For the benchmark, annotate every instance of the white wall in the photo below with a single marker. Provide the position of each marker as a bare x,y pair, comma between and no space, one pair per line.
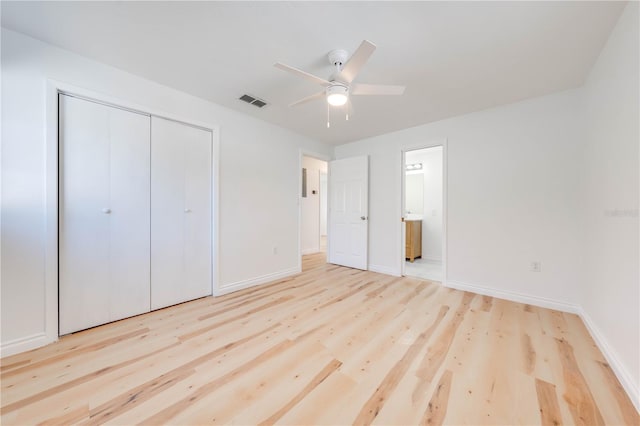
310,206
610,290
513,195
259,178
414,193
431,159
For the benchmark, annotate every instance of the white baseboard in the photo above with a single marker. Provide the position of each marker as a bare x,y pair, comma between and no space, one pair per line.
310,250
626,379
24,344
252,282
543,302
432,259
385,270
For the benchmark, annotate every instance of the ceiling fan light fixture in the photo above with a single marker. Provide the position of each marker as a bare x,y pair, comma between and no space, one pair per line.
337,94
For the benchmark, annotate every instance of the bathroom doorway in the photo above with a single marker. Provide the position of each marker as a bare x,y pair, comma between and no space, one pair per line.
423,213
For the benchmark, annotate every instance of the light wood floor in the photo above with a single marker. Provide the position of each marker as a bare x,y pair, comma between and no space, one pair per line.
332,345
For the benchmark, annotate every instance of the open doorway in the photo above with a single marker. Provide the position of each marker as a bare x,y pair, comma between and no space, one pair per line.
423,213
313,206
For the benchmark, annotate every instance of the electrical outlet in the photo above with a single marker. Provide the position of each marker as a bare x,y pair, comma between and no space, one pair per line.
536,266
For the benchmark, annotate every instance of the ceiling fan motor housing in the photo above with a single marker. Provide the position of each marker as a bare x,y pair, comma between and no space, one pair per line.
338,57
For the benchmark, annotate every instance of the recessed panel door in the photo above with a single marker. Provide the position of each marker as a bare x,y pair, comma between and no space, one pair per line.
348,212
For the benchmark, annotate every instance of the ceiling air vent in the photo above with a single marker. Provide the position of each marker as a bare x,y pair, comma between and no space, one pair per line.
253,101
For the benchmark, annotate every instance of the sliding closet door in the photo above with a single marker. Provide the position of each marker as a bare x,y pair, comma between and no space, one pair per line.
180,212
104,206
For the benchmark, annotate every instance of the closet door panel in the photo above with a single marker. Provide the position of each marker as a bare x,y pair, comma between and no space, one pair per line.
167,214
104,214
198,221
130,213
180,213
83,227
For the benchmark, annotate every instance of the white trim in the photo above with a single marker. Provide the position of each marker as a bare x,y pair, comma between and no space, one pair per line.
51,212
123,103
23,344
252,282
432,259
445,210
51,197
215,210
387,270
623,375
402,255
542,302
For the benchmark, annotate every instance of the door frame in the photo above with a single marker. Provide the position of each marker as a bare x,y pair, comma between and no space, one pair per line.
401,227
322,157
52,169
324,193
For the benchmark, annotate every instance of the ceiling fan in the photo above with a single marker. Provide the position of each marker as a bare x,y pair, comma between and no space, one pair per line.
339,86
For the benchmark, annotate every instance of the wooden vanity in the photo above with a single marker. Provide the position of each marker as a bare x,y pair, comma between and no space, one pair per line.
413,245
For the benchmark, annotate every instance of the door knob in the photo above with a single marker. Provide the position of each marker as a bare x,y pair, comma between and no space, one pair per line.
106,211
363,218
187,210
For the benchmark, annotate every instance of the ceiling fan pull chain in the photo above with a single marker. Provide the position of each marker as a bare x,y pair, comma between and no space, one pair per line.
328,116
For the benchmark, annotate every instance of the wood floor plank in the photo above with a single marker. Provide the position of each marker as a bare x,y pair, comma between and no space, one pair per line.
331,345
583,408
437,407
437,353
487,303
75,352
274,383
328,369
168,413
375,402
548,401
529,359
623,402
75,382
144,391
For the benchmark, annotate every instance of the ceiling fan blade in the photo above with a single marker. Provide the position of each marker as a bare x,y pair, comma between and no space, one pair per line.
303,74
308,99
376,89
357,61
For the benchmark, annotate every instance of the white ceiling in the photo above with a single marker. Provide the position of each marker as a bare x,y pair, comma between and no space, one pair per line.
454,57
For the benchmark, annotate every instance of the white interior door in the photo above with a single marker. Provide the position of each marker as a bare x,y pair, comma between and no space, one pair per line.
348,212
180,212
104,214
